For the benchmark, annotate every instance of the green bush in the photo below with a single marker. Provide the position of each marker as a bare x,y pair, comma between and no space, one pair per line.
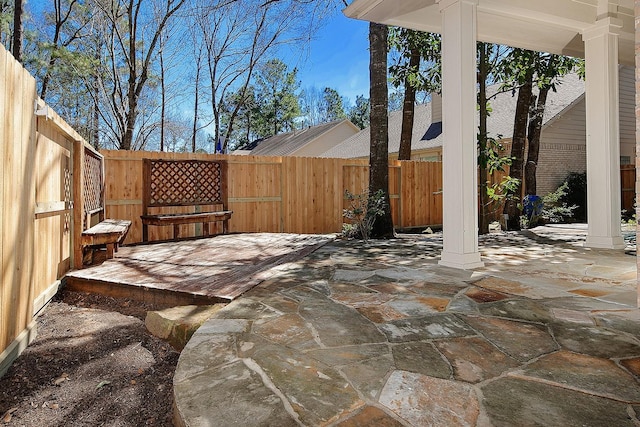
555,209
576,195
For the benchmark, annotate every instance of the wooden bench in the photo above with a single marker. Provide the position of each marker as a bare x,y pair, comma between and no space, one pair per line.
110,232
196,183
96,230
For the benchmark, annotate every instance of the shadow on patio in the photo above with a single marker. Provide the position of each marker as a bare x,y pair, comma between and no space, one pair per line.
195,271
379,334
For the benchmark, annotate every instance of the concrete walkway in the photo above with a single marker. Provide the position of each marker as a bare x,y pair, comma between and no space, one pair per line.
379,335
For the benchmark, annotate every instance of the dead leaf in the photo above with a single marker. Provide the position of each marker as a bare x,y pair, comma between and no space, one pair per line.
133,382
54,406
62,378
102,384
6,418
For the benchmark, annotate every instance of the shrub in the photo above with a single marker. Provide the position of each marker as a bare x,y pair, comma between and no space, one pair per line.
555,209
362,212
576,195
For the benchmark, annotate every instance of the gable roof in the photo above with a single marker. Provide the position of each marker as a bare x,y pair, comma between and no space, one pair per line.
285,144
428,135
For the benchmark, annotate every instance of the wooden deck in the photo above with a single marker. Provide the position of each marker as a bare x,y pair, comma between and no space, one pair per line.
202,271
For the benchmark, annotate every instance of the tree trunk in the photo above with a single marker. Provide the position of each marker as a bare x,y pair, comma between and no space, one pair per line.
379,155
163,90
196,101
96,126
54,46
483,218
534,131
408,108
126,143
518,143
17,30
95,107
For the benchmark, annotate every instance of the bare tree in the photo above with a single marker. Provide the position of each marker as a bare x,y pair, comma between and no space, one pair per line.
311,102
236,36
163,89
196,100
132,31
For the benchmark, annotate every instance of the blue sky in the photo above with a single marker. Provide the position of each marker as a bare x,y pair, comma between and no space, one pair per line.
338,58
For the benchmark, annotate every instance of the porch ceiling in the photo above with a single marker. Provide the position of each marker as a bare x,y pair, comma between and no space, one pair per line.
545,25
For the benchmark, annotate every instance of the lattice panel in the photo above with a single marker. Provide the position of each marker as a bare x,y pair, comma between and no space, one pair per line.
185,182
92,182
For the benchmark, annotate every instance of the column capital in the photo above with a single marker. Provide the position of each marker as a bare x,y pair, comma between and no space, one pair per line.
602,27
444,4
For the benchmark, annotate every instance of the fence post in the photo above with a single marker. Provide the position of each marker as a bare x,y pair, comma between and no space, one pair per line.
78,202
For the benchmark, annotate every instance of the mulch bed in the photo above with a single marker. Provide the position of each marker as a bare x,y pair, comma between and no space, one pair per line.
93,363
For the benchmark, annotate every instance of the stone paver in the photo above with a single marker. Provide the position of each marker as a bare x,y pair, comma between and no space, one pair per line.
475,359
177,324
425,328
427,401
515,402
371,416
421,358
520,340
588,374
246,399
381,335
519,309
596,341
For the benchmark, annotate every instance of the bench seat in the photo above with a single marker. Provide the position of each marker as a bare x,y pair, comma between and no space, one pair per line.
110,232
187,218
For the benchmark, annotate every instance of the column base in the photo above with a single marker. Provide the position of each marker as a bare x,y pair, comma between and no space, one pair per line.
468,261
605,242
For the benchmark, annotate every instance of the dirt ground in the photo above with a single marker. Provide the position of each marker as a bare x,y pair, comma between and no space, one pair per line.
93,363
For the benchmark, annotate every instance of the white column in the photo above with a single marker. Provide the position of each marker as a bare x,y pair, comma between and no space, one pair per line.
459,126
603,135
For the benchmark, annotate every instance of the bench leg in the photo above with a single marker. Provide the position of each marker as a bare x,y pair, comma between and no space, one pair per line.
145,233
205,228
176,231
110,250
225,226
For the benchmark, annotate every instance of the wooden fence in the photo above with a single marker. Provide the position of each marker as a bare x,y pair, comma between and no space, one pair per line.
282,194
628,187
36,202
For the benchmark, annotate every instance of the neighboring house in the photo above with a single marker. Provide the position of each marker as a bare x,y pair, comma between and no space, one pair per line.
562,143
309,142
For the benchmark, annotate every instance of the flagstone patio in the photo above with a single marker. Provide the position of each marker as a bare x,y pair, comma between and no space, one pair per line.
379,334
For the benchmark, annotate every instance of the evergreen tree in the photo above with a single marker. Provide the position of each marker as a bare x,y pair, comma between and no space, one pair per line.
276,89
331,108
359,113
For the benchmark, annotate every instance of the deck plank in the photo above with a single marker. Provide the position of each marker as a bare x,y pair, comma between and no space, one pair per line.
215,269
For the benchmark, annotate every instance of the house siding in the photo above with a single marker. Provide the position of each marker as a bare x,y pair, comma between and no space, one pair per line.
562,149
327,140
627,113
563,141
